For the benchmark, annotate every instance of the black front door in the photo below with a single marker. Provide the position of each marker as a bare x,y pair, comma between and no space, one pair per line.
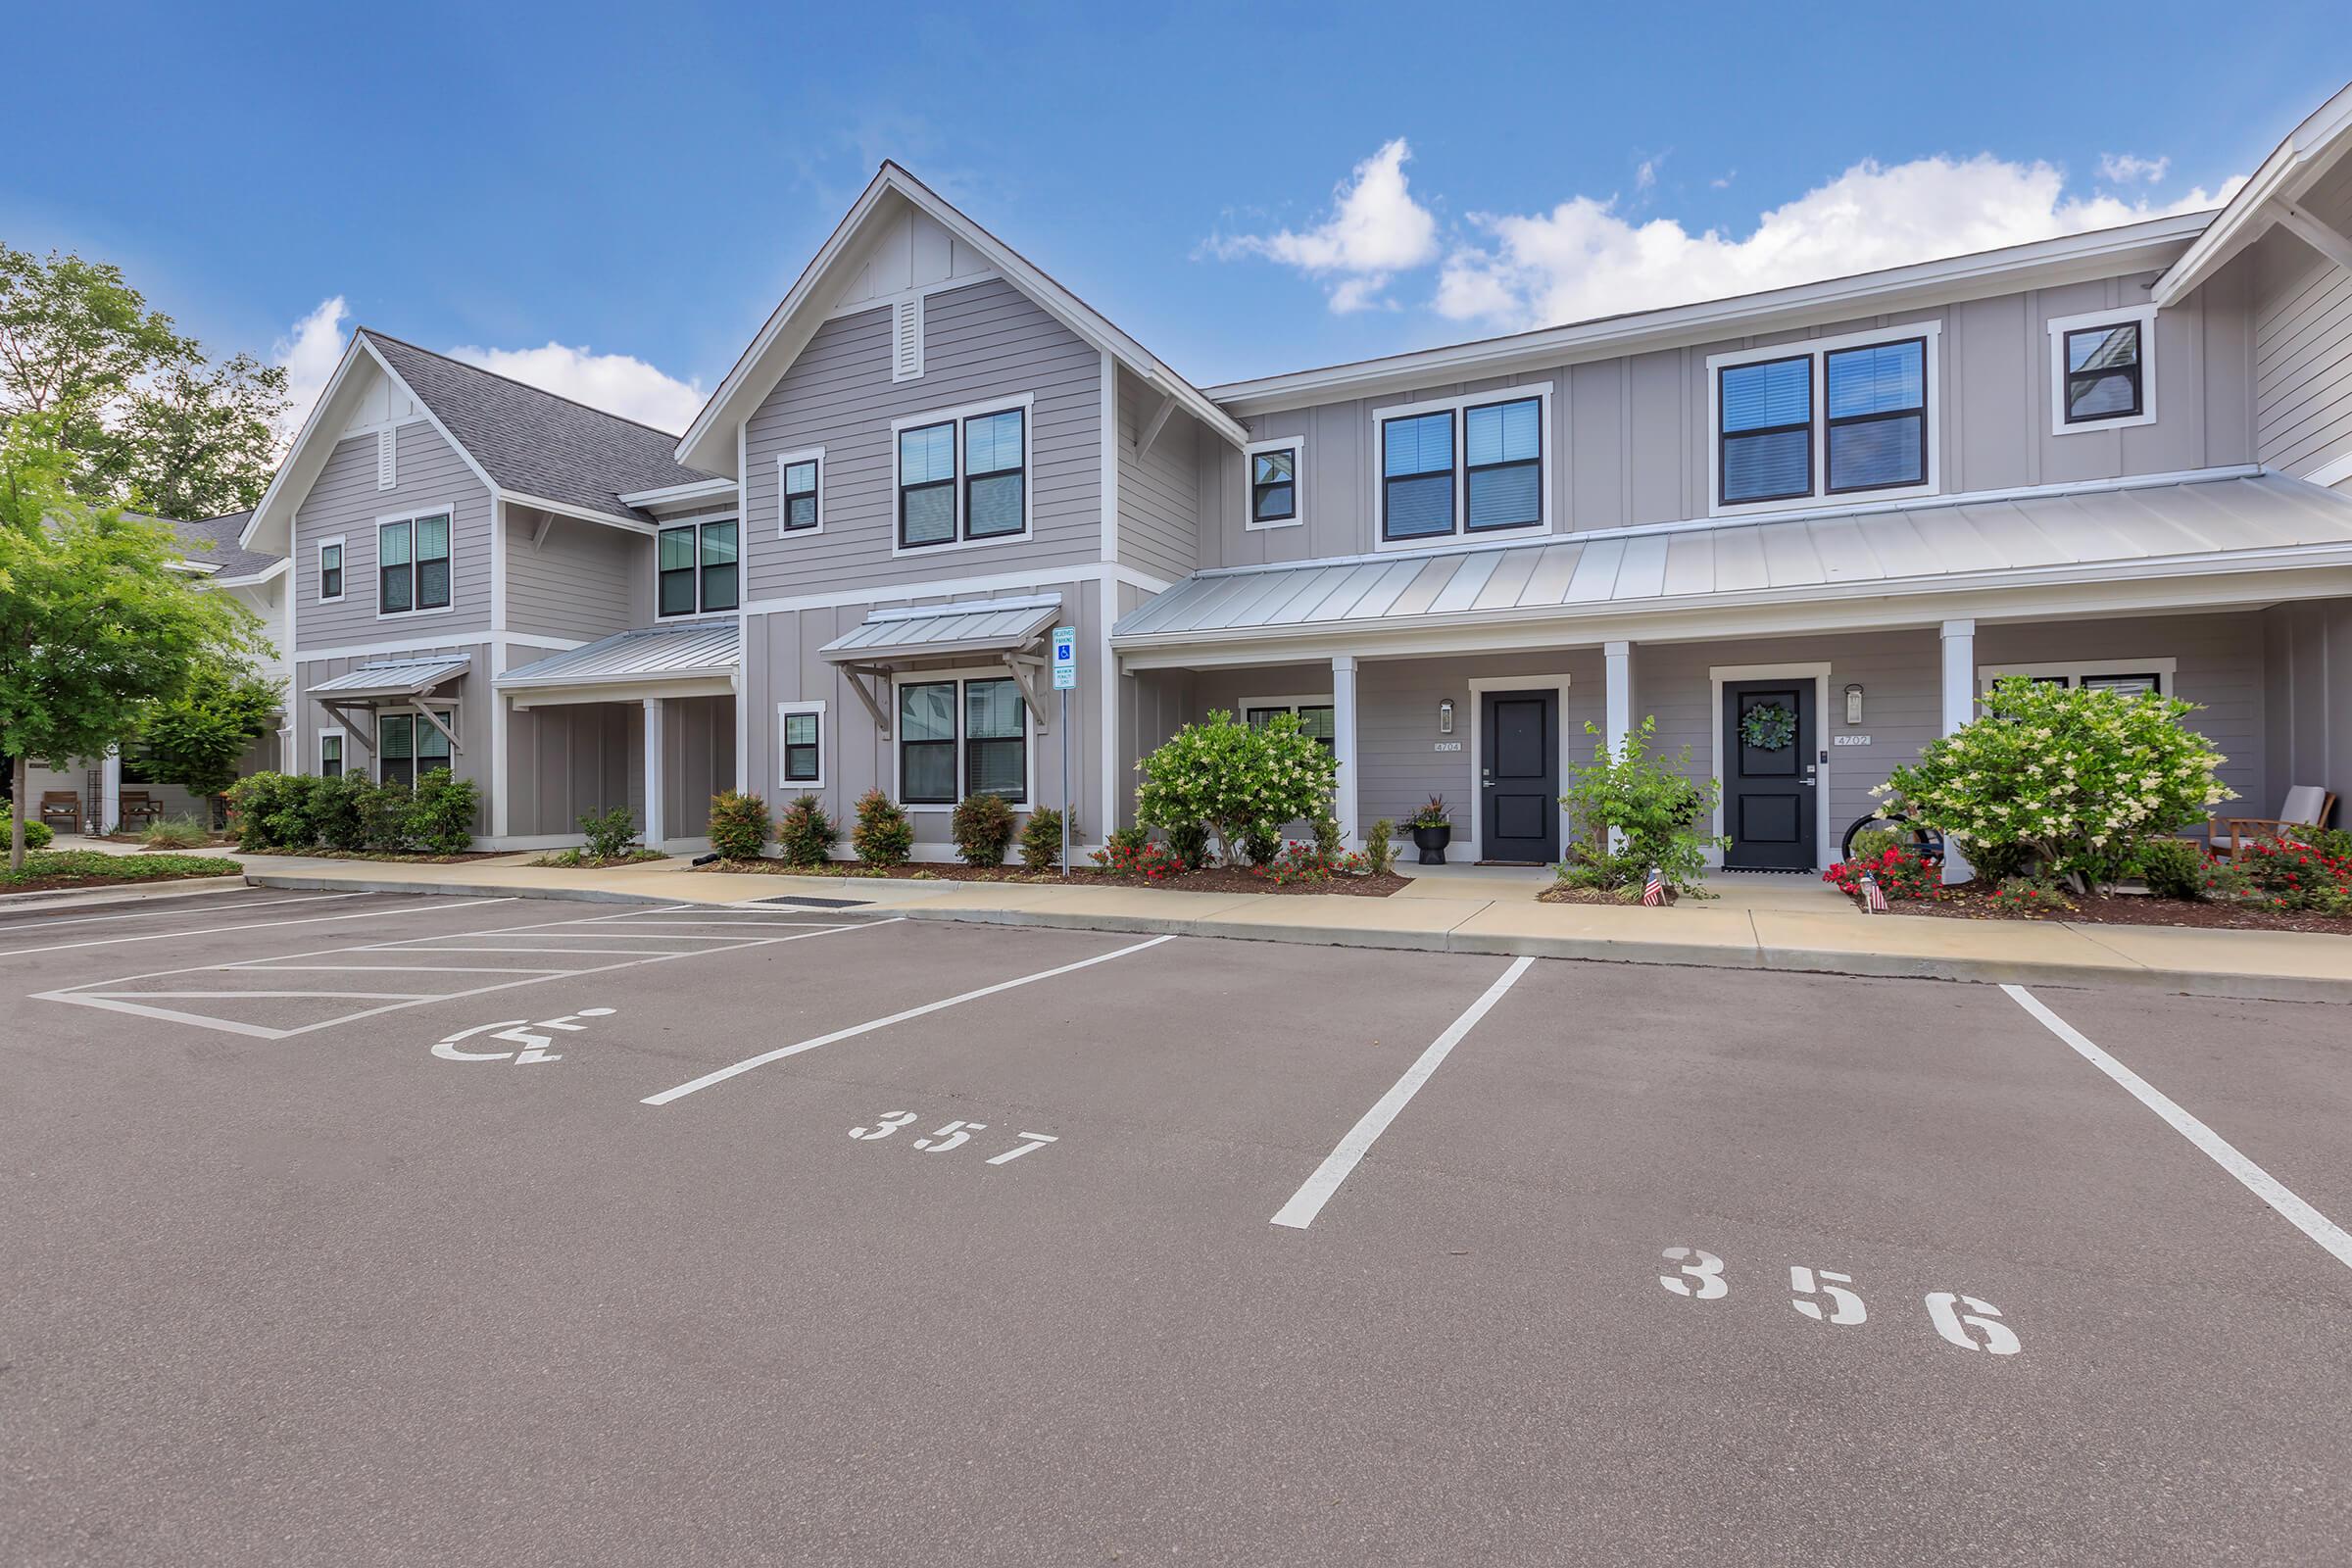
1770,774
1519,777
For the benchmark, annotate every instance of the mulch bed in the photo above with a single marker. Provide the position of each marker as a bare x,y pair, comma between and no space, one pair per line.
1213,879
1965,902
1567,895
405,859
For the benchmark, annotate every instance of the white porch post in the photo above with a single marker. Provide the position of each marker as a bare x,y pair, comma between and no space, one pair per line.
655,791
110,791
1959,706
1343,744
1618,692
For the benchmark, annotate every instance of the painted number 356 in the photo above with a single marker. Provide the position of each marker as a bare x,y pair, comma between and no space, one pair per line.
1827,1297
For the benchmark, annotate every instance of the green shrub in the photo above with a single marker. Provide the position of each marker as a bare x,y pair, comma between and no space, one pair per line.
385,816
2333,841
609,833
1261,845
260,801
883,835
1653,808
1873,842
983,828
339,811
1330,842
38,835
739,825
441,812
1239,779
2172,868
293,825
1379,854
1189,843
96,865
2079,775
1041,839
175,833
805,834
1996,863
1128,841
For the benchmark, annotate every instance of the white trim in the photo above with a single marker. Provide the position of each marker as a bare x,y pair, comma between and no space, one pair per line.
318,749
1825,845
898,734
1479,686
1462,534
907,331
2327,476
1142,582
1295,445
564,509
963,607
1817,350
1107,676
342,564
740,678
254,579
784,461
656,767
1108,416
412,518
678,494
825,744
1083,572
2292,167
953,418
2079,670
2060,326
1290,705
619,689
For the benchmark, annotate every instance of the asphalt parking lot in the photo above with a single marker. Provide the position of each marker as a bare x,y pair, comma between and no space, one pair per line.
363,1227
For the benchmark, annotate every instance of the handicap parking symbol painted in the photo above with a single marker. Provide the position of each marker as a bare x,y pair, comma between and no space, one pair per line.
520,1032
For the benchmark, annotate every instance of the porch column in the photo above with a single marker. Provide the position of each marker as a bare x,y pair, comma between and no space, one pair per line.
110,792
1617,687
655,790
1959,706
1343,744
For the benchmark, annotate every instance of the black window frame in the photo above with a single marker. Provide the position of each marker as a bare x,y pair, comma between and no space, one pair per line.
327,574
1299,710
404,572
965,743
948,484
1724,437
2068,376
447,557
953,743
787,494
417,728
337,736
1259,518
1463,436
1452,472
1830,421
971,476
815,747
412,572
695,572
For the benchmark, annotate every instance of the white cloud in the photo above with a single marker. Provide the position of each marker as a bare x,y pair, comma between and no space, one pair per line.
310,356
1582,259
1375,229
617,383
1647,174
2125,169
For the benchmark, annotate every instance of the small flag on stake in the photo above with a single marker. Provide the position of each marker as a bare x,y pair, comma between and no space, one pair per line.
1872,899
1653,891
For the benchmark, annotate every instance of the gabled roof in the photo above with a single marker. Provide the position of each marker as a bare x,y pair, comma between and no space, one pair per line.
212,548
709,443
2268,197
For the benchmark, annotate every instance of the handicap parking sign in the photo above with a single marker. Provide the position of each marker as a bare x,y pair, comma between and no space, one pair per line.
1065,657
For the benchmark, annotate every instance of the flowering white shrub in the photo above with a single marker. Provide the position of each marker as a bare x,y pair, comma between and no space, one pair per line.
2079,776
1242,780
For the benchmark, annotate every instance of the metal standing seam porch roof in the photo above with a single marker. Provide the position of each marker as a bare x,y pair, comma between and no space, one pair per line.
683,650
1801,556
940,631
396,677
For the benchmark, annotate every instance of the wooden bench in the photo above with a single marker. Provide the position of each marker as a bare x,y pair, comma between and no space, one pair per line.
60,809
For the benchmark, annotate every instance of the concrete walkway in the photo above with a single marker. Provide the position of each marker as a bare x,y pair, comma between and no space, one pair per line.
1790,923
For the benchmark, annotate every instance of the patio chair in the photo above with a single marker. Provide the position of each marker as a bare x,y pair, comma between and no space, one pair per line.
140,808
60,809
2306,806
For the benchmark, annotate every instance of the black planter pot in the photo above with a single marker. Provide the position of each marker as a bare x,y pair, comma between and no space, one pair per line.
1432,842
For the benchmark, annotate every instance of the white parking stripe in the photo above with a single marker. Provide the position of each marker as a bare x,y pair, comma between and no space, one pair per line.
14,926
258,925
2260,1183
1307,1202
867,1028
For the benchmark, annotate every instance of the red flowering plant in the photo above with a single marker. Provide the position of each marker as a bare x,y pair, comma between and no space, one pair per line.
2029,900
2287,874
1123,856
1310,862
1901,873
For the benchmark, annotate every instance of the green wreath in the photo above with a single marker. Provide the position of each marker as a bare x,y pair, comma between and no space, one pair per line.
1768,726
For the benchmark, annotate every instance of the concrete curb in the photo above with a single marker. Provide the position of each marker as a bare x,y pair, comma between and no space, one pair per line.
311,883
119,892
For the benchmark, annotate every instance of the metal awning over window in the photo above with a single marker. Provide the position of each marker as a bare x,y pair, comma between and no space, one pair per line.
391,678
1005,631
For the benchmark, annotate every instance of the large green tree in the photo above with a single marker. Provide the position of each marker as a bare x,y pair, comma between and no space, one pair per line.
196,740
148,422
96,626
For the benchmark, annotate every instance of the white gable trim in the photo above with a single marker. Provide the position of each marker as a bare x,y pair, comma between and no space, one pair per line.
2293,167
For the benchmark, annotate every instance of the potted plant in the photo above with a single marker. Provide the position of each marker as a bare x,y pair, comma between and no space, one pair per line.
1432,830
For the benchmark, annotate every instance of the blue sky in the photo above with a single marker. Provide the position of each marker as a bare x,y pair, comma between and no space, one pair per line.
1246,189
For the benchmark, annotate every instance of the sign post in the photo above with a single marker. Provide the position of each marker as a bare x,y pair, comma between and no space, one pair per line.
1065,676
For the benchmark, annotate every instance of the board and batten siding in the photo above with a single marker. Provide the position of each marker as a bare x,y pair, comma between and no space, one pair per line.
567,761
1634,428
469,695
582,580
981,342
1159,513
2303,340
344,500
2308,662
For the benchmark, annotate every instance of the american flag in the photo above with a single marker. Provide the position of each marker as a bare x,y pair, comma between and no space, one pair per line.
1872,899
1653,891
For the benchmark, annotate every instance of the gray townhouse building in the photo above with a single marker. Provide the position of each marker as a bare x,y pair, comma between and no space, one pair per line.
2119,457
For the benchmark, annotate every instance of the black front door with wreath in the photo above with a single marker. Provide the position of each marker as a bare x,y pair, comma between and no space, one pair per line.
1770,775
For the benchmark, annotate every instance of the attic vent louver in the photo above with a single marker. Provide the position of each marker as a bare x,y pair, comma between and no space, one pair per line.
906,339
387,448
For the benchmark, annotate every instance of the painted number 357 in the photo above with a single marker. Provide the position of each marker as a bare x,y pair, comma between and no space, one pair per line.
1829,1298
954,1135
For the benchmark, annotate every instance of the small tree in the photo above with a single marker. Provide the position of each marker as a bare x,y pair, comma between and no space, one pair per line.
1242,780
1651,804
1041,839
197,740
2078,776
804,833
883,835
981,823
95,626
739,825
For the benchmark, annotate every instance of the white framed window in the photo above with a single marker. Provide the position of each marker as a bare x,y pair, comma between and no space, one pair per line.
413,563
1474,466
2130,675
330,753
409,744
801,491
800,746
961,732
1274,484
1857,416
961,476
1317,716
331,571
698,567
2103,369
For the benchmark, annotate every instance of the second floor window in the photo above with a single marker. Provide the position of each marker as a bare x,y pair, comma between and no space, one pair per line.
2103,372
1467,467
1877,399
1273,486
1416,477
411,567
1766,448
800,494
1504,459
1833,418
697,568
963,478
330,572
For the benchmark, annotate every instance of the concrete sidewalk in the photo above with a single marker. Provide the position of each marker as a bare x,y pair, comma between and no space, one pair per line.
1780,926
